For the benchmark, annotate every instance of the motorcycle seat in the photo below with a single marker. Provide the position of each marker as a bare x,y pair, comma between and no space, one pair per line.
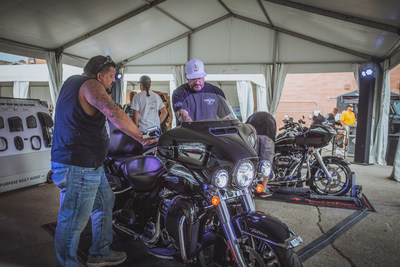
142,172
117,161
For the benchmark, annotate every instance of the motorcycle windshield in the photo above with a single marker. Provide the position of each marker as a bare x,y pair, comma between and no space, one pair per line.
205,107
208,135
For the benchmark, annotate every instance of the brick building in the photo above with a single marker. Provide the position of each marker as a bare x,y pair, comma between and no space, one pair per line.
304,93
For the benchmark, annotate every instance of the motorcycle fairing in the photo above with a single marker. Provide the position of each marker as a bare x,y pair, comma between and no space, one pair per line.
266,227
317,136
226,141
142,172
121,144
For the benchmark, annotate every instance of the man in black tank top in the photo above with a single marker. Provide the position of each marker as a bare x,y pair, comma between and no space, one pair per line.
80,145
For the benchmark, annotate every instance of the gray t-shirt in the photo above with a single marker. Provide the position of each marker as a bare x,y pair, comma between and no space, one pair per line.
147,107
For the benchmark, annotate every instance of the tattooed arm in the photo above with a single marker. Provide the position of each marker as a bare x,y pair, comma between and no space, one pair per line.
93,98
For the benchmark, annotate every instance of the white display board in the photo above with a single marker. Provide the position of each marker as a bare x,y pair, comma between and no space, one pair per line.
25,142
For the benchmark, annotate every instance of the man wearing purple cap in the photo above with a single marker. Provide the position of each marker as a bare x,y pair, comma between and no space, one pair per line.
195,76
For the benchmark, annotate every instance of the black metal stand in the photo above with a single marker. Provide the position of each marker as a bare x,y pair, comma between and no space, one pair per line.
353,197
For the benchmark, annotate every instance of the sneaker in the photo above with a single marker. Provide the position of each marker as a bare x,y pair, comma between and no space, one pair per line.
114,258
264,194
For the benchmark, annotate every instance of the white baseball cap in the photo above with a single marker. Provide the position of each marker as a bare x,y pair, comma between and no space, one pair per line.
195,69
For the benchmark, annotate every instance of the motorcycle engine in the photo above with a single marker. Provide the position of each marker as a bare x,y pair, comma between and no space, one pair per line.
127,215
283,164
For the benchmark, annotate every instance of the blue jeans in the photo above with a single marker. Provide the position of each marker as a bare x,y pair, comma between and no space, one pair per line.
85,193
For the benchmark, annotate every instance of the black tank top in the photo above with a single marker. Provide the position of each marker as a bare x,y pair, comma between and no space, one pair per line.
78,139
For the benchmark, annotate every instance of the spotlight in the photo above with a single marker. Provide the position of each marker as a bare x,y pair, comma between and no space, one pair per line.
368,72
118,76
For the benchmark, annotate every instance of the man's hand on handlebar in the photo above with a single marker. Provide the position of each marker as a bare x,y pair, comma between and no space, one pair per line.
149,142
183,115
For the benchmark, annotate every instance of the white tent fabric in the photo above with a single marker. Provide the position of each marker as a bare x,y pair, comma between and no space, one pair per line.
124,85
54,64
261,98
178,72
357,71
179,75
396,165
274,75
158,34
20,89
379,131
246,100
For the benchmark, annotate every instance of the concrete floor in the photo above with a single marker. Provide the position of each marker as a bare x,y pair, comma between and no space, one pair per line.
373,241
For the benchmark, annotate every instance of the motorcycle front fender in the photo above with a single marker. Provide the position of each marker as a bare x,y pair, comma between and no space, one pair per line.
267,228
334,159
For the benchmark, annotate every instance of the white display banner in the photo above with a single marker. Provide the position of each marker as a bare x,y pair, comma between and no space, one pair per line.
22,180
21,128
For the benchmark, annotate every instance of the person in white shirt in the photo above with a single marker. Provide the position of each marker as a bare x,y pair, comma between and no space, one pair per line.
148,109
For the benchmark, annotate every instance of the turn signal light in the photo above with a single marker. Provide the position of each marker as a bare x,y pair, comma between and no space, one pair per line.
260,188
215,200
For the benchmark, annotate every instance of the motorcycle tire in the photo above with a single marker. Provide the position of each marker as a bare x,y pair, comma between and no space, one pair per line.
263,254
267,254
340,173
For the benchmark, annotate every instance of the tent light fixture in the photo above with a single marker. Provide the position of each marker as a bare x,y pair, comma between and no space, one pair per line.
368,72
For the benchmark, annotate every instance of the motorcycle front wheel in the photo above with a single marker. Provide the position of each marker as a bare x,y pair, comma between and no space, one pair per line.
263,254
341,178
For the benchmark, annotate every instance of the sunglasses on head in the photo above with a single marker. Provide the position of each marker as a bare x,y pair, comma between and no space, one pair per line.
107,61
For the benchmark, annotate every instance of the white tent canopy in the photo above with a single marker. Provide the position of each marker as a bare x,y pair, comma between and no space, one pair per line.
230,36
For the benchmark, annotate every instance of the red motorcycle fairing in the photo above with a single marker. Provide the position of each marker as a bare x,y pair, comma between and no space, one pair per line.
265,227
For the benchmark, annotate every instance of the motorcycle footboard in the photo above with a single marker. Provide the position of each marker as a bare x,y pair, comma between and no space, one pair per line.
267,228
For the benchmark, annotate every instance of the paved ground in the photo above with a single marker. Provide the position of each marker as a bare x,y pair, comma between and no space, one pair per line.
374,240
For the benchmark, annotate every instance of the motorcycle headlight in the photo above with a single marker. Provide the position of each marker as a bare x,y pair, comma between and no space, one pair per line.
265,168
252,140
244,174
220,178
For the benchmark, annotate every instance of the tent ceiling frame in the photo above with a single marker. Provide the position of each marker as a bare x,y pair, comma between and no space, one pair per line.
23,45
188,33
169,15
112,23
275,48
252,63
260,23
307,38
265,12
225,6
337,15
79,58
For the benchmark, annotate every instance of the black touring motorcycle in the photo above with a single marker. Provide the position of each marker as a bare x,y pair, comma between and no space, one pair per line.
189,199
298,159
